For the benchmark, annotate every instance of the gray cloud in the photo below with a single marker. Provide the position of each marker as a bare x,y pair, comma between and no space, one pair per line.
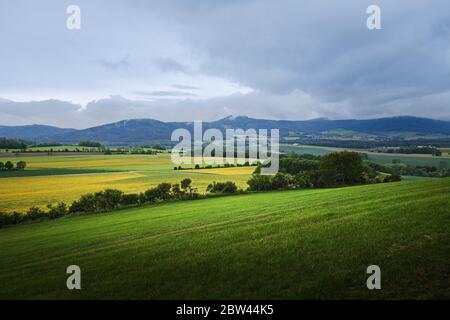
184,87
171,93
302,59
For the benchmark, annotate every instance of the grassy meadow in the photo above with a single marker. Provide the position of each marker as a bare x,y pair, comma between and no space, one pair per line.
49,179
290,244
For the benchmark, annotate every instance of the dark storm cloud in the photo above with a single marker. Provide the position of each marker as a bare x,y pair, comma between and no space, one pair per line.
302,59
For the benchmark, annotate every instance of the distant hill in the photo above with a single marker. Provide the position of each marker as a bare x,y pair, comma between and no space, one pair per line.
138,131
32,132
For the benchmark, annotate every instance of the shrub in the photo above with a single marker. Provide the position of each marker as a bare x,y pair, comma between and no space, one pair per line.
108,199
393,178
260,183
161,192
222,187
5,219
130,199
35,213
58,211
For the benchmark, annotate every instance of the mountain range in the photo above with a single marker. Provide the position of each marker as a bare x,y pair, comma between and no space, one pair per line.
139,131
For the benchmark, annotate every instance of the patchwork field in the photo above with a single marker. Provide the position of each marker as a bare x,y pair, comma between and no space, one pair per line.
296,245
413,159
49,179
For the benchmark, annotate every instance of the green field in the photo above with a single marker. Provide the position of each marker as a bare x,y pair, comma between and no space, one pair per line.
294,244
316,151
412,159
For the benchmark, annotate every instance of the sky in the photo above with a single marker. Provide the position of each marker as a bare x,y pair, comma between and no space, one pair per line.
203,60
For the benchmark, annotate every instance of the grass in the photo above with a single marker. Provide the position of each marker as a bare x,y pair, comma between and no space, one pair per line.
293,244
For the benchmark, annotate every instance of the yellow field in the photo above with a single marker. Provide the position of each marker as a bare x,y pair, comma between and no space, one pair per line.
140,173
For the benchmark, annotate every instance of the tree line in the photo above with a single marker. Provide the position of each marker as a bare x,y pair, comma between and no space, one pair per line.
12,143
9,166
113,199
333,170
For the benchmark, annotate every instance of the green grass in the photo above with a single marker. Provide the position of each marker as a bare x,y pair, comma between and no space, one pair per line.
314,150
293,244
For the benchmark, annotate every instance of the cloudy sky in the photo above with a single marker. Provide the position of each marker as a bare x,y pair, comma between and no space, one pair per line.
205,59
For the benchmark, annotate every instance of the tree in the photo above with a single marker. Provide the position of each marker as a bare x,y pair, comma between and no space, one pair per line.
58,211
130,199
186,184
176,191
222,187
341,168
2,166
260,182
90,144
21,165
9,165
108,199
161,192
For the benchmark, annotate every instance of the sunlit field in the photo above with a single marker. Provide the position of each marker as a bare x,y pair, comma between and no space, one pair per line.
50,179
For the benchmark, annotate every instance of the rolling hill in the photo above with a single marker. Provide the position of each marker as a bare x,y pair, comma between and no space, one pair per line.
32,132
139,131
308,244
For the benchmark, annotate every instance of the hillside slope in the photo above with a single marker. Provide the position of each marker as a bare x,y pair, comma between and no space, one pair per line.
294,244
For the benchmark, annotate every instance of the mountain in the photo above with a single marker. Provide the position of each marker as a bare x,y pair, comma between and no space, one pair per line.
139,131
394,124
32,132
123,132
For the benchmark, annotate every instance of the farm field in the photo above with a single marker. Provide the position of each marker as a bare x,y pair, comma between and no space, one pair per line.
50,179
413,159
304,244
314,150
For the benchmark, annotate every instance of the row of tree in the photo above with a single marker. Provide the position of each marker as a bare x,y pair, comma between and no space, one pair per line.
218,166
12,143
9,166
112,199
413,150
332,170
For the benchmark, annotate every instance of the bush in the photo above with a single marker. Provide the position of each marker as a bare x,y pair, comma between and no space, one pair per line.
222,187
35,213
58,211
260,183
393,178
130,199
162,192
5,219
108,199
